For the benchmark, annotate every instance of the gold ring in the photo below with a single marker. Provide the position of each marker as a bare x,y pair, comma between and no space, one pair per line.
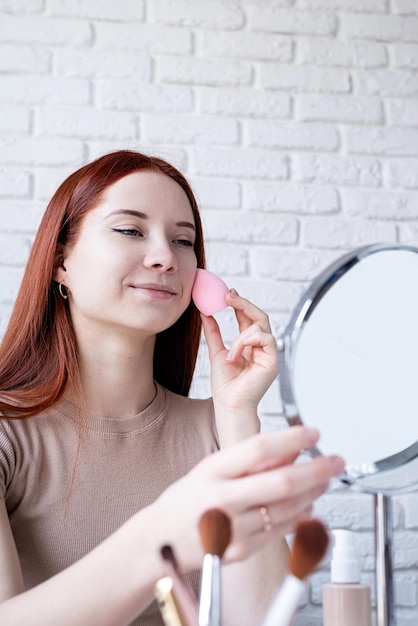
268,525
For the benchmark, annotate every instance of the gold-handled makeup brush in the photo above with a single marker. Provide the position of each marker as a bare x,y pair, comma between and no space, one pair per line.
309,547
215,535
163,592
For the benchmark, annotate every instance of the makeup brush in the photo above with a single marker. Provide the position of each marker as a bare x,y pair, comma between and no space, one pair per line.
309,547
163,592
182,592
215,535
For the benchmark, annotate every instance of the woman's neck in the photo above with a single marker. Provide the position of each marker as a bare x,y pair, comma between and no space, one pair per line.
117,376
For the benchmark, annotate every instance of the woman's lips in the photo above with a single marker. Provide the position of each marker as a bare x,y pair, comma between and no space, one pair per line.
155,290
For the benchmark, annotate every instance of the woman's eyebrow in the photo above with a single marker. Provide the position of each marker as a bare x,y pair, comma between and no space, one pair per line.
144,216
139,214
187,225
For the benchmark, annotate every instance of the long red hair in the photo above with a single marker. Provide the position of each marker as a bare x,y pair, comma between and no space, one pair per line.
38,353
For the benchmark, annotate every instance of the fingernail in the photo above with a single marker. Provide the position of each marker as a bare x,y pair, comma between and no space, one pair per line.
337,463
311,435
233,293
229,355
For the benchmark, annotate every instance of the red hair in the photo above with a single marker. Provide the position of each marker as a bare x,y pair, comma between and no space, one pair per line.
38,353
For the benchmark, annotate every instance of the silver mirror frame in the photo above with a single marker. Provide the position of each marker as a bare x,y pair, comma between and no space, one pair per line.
382,501
360,477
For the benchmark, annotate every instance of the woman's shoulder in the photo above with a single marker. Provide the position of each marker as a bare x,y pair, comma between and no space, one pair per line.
19,426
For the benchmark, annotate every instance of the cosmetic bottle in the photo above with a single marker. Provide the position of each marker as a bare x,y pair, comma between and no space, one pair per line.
345,602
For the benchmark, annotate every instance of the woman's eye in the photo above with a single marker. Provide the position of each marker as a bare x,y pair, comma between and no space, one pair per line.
132,232
184,242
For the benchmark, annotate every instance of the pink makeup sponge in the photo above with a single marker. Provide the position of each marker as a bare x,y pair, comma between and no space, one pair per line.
208,292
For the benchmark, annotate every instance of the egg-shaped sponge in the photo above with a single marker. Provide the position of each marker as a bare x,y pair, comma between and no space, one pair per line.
208,292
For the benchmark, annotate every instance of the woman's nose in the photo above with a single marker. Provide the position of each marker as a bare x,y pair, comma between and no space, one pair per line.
160,256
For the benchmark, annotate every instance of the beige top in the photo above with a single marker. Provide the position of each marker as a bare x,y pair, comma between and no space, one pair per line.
122,466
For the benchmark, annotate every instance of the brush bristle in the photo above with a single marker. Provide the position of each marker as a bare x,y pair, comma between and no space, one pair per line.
215,532
167,553
309,547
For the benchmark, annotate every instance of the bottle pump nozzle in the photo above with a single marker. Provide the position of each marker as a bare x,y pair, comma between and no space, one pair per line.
344,564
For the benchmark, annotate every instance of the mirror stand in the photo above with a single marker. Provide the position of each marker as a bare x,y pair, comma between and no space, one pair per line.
383,524
339,373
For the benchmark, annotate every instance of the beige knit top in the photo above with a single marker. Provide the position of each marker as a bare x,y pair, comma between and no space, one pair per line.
122,466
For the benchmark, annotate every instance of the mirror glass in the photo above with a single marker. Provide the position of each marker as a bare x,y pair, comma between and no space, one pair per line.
349,365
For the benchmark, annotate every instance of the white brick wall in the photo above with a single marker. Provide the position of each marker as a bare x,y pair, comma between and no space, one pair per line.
296,121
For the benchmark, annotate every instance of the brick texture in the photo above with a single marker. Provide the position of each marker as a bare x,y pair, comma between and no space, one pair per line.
296,122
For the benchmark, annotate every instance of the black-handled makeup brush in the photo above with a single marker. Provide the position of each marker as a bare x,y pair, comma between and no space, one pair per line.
182,592
215,535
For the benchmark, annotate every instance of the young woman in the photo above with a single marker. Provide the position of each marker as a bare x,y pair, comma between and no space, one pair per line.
103,457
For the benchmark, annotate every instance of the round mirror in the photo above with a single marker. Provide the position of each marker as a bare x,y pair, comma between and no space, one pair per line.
348,365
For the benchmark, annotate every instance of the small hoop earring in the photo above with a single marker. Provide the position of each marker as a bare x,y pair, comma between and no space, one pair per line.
63,291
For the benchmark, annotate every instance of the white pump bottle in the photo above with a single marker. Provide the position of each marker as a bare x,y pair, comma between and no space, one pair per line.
345,601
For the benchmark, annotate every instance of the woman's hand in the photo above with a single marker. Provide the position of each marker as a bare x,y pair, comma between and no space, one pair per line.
241,375
258,472
114,582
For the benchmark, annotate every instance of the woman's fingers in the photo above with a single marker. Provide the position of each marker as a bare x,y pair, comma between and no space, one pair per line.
246,312
286,491
246,544
256,452
268,519
241,480
253,337
278,515
212,335
284,483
